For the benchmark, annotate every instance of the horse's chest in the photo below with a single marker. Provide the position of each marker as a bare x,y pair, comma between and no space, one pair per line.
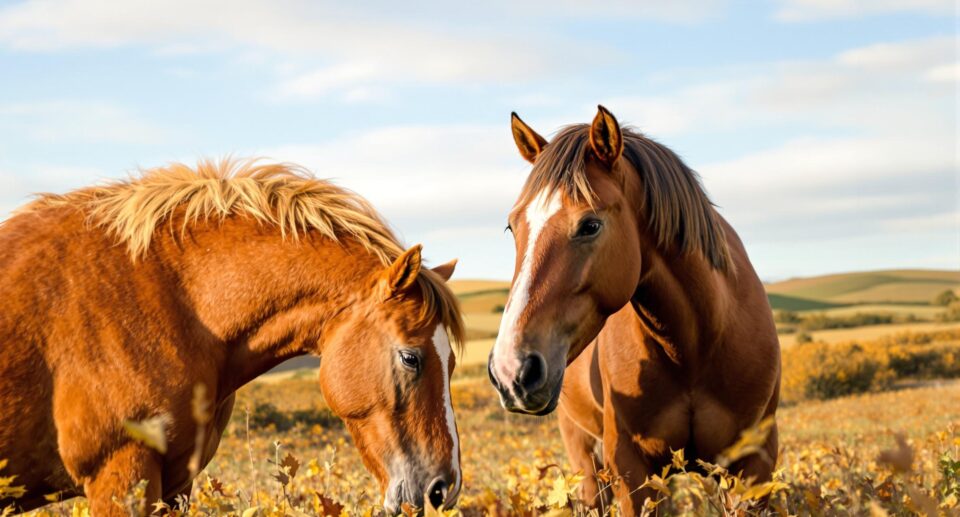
654,404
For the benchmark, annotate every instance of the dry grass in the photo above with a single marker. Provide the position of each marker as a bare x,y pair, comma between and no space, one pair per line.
472,286
837,457
868,332
922,312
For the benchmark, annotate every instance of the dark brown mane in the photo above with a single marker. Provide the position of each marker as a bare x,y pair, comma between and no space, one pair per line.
677,209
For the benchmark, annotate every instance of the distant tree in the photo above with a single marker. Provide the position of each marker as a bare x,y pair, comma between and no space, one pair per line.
951,314
786,316
946,298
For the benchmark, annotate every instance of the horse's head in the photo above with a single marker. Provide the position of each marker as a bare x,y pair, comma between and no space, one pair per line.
578,260
386,372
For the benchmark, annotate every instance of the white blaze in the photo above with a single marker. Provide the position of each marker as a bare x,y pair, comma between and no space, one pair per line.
506,360
442,343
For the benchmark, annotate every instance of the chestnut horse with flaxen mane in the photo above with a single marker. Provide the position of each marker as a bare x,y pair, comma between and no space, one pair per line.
224,271
614,232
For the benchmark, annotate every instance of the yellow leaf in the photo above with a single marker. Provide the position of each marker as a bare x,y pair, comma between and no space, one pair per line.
657,483
313,468
752,441
557,497
678,461
763,490
250,512
7,489
151,432
80,511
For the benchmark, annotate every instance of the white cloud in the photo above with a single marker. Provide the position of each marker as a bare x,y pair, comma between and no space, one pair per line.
903,57
78,121
949,73
325,80
337,48
890,169
447,186
21,185
902,86
426,173
868,181
812,10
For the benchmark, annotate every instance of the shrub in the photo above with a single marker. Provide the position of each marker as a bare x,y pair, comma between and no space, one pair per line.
817,370
946,298
821,321
785,316
266,416
951,314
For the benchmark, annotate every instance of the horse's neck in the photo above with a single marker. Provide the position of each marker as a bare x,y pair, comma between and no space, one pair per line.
683,303
265,299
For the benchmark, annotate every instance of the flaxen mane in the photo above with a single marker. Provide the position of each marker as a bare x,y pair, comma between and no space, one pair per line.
677,209
282,195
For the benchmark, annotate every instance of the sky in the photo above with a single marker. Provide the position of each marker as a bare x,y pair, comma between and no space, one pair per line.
826,131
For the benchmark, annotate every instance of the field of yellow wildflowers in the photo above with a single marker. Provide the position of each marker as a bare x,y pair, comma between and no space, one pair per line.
892,450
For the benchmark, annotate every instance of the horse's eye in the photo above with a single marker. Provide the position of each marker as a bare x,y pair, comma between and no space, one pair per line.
589,228
410,360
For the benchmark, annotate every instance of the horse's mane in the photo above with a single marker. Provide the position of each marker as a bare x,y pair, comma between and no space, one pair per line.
283,195
677,209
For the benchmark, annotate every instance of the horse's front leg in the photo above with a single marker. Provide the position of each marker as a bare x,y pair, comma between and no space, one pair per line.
581,449
629,466
114,481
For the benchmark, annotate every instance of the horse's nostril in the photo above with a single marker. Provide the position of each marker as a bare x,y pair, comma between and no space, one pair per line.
533,373
437,493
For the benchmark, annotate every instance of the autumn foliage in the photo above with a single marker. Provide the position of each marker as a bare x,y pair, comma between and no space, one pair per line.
893,452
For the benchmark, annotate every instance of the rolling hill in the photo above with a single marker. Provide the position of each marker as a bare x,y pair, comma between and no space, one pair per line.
904,292
906,286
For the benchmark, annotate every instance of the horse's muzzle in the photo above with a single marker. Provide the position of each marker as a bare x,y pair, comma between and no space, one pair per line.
533,391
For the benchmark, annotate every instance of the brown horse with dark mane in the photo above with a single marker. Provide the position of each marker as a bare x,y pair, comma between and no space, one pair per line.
614,232
222,272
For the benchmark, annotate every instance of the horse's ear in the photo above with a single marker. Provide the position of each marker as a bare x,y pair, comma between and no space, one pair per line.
401,274
445,270
605,137
528,141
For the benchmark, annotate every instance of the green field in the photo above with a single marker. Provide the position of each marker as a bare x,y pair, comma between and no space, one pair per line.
905,294
793,303
893,286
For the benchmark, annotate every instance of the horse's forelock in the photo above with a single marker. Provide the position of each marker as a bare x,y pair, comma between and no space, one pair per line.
677,208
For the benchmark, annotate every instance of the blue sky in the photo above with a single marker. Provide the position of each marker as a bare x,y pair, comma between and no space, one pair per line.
826,130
